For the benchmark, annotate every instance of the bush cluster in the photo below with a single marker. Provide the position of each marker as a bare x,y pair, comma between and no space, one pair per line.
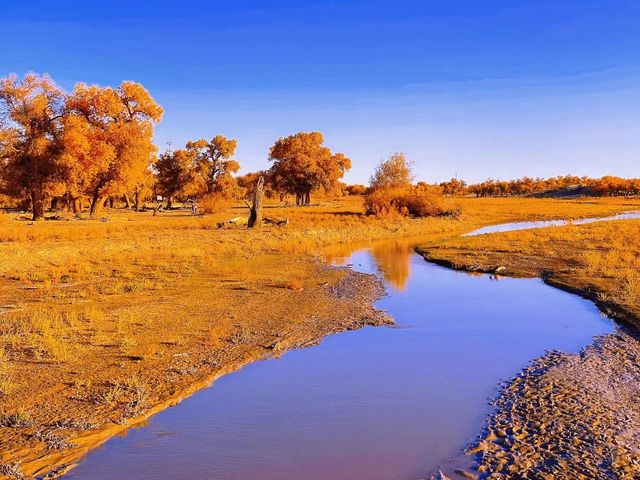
214,203
413,201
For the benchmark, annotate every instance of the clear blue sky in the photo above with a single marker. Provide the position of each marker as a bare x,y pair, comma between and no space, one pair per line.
476,88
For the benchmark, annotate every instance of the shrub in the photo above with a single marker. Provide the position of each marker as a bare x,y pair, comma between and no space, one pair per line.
356,189
380,203
421,201
214,203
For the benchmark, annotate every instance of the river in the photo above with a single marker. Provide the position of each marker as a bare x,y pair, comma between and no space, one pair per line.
377,403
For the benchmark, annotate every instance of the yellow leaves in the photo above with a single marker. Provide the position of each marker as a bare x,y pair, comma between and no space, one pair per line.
95,141
117,126
196,144
201,167
139,102
302,164
394,172
233,166
33,108
221,147
86,151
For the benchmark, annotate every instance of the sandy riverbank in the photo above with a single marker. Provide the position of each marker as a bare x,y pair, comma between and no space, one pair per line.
569,416
52,440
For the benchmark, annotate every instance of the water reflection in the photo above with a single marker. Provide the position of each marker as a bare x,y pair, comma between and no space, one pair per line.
392,260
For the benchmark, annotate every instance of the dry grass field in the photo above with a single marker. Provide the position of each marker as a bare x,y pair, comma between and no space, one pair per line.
105,321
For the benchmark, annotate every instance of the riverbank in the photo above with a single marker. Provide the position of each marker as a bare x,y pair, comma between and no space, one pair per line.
569,416
600,261
108,321
574,416
74,396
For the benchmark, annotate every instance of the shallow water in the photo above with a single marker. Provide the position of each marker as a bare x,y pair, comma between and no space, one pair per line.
509,227
377,403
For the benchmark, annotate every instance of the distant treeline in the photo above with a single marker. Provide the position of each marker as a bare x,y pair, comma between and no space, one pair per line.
567,184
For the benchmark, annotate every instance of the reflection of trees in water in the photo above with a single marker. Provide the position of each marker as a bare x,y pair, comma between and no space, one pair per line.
392,259
393,262
339,255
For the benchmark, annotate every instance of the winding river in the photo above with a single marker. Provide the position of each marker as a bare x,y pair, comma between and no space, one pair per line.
377,403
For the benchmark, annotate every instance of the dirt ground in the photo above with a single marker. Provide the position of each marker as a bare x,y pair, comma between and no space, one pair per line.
105,322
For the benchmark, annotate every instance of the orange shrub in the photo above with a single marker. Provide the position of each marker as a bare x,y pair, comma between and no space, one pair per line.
214,203
410,201
380,203
421,203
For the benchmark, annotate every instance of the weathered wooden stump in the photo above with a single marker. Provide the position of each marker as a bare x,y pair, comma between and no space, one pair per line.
255,215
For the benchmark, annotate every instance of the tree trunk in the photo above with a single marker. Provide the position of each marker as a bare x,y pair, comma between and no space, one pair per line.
54,204
127,202
97,202
37,203
255,217
136,201
169,202
307,198
110,202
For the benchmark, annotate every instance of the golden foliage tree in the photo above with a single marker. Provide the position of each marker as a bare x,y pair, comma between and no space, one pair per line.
31,125
95,141
302,164
85,152
143,188
394,172
454,187
177,175
215,164
119,125
201,168
356,189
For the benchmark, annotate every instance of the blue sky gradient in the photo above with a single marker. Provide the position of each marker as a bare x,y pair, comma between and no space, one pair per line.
474,88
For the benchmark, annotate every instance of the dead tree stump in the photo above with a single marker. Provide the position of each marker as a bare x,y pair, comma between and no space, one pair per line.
255,215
